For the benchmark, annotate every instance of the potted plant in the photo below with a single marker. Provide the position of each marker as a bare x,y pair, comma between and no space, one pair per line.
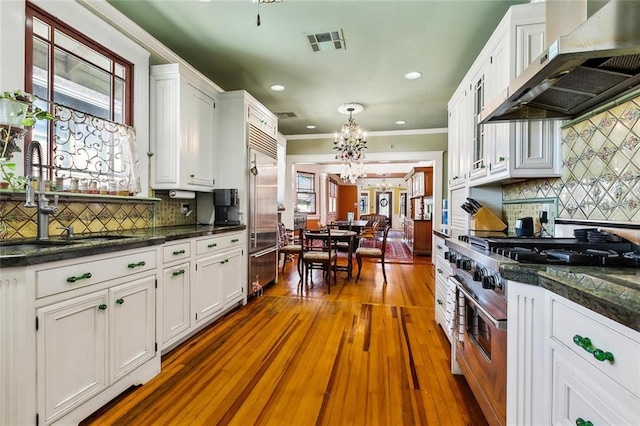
17,117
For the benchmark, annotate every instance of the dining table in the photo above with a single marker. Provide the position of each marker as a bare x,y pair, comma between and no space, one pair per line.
353,225
338,235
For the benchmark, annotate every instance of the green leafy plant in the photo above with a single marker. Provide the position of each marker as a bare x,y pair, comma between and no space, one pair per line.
19,116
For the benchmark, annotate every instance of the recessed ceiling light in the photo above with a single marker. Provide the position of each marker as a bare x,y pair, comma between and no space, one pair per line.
311,126
412,75
384,161
401,122
277,88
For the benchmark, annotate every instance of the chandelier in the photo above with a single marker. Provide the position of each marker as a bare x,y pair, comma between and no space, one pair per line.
350,145
384,186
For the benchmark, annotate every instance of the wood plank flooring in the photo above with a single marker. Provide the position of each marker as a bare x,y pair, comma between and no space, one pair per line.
366,354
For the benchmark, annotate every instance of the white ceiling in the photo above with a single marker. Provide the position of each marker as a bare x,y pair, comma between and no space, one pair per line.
384,40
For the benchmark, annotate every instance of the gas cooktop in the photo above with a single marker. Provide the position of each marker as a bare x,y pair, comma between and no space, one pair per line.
560,250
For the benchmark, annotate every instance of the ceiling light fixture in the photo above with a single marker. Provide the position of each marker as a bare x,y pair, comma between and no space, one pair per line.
384,186
401,122
311,126
350,145
277,88
263,1
412,75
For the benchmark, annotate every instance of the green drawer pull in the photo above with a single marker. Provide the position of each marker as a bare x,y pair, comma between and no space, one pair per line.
135,265
81,277
599,354
500,158
120,301
235,240
102,307
439,301
439,247
439,271
581,422
225,261
176,273
212,245
178,252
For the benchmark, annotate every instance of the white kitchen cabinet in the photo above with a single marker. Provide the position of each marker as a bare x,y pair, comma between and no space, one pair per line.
203,278
444,310
262,118
554,376
72,353
95,330
457,106
183,129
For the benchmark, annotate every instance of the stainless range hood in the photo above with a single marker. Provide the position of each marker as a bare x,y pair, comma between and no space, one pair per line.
596,63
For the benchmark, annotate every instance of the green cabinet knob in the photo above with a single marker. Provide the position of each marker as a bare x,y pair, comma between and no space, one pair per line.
439,246
439,271
135,265
439,301
102,307
212,245
80,277
235,240
120,301
500,158
178,252
581,422
176,273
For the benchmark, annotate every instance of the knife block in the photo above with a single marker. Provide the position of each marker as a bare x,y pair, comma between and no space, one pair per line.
485,220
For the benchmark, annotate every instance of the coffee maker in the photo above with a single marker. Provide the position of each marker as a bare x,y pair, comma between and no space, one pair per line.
226,207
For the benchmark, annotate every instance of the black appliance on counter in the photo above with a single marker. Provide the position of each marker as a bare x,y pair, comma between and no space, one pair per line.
226,207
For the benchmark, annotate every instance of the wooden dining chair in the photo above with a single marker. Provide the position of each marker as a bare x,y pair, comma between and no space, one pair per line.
319,256
369,233
293,248
373,253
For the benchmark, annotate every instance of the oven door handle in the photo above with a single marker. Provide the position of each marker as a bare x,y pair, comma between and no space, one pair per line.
500,325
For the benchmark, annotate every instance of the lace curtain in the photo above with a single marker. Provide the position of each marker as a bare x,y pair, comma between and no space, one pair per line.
95,153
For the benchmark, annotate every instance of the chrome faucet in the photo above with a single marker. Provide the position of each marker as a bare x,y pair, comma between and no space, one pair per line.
44,209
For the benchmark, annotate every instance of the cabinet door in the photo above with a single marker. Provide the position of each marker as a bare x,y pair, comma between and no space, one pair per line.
200,138
175,302
457,163
479,136
207,294
498,149
165,130
232,283
132,309
71,353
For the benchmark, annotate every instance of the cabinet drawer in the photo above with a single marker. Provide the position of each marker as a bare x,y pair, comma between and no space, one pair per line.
441,248
214,244
171,252
567,323
262,121
579,391
65,278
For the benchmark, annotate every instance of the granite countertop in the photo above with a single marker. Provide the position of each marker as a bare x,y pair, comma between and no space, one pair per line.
13,254
610,291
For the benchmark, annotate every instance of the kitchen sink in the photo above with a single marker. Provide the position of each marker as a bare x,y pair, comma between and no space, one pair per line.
59,242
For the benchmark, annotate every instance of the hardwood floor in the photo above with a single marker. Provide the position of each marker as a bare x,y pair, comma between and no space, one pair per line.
366,354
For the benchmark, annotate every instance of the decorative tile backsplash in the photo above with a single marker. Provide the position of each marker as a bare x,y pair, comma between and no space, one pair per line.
601,169
17,221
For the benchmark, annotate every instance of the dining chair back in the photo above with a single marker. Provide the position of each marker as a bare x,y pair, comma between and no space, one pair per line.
369,233
292,246
373,253
319,256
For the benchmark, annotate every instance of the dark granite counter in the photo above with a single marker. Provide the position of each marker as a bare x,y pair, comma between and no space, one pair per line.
22,253
611,292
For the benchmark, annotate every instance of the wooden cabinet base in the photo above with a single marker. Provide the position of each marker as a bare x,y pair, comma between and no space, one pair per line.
418,236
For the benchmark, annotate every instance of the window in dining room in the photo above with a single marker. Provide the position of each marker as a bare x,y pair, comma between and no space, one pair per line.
333,197
306,192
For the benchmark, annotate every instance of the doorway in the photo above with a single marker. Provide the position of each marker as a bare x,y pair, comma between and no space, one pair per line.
384,201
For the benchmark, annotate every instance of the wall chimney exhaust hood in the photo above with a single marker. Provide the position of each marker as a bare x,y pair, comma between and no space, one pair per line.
596,63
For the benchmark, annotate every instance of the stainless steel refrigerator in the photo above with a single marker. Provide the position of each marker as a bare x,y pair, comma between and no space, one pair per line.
263,214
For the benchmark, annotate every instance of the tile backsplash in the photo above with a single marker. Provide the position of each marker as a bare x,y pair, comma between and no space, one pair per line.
600,173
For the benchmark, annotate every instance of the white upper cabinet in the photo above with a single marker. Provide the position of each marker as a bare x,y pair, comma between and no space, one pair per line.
183,129
499,152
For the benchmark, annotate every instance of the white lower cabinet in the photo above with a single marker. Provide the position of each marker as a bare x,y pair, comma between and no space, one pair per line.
568,365
72,351
203,278
79,338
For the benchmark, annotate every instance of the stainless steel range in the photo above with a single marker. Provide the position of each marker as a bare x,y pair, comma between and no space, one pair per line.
481,342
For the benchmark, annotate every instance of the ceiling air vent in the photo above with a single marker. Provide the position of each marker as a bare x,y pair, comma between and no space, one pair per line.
331,40
282,115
